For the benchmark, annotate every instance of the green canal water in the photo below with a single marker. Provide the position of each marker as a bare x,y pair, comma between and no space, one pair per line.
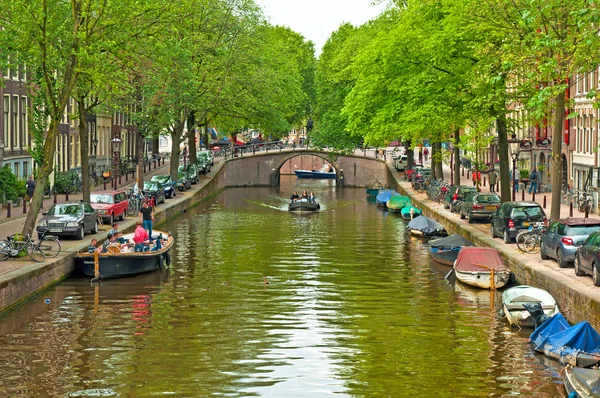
353,307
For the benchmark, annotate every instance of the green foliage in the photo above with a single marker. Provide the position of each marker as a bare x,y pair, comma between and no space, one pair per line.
10,186
67,181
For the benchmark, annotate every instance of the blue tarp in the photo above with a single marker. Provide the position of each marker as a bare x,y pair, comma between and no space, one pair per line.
425,224
557,339
385,195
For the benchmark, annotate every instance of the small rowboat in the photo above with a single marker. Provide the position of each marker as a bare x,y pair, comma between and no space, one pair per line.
384,196
123,261
426,227
445,250
303,205
372,192
482,267
326,172
409,212
515,300
397,203
583,382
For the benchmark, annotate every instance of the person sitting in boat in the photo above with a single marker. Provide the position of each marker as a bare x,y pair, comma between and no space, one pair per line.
304,195
160,241
312,198
93,246
115,231
294,197
110,241
141,238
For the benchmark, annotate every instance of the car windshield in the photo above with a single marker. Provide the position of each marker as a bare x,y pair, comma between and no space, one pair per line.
150,186
488,199
101,198
71,210
581,230
526,212
161,179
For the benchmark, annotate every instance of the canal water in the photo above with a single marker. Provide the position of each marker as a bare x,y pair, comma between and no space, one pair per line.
262,302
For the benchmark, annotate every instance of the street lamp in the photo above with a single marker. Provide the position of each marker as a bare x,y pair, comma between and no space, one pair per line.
116,146
95,145
514,149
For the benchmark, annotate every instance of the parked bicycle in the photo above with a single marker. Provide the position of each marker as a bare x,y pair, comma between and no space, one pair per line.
49,244
15,244
522,239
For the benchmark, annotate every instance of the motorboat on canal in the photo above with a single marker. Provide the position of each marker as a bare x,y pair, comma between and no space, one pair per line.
577,345
482,267
384,196
517,303
303,205
445,250
426,227
397,203
123,262
410,212
326,172
583,382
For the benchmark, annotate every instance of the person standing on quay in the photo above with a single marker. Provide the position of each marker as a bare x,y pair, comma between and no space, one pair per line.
421,155
533,178
146,218
30,185
493,177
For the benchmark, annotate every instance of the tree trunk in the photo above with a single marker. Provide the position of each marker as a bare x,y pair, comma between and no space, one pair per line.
155,147
439,164
433,155
139,153
456,157
176,142
557,161
503,156
191,123
84,151
44,171
410,155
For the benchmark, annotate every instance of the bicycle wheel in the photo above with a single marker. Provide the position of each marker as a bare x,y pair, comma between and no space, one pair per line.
35,253
50,245
520,239
532,244
4,250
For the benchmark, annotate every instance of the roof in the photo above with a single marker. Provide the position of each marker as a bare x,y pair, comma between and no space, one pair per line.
570,221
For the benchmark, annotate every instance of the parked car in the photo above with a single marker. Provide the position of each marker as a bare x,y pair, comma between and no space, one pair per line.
401,162
155,190
183,181
564,236
168,184
191,170
209,155
512,217
203,164
71,219
479,206
587,258
110,205
456,195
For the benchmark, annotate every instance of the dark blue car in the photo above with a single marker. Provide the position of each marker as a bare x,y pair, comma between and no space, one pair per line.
168,184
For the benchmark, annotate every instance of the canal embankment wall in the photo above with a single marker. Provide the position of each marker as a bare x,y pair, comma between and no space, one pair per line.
577,297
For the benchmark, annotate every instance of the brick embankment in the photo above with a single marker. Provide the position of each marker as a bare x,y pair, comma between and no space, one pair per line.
23,282
577,297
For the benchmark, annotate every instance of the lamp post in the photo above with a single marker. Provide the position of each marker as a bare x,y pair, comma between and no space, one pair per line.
95,145
514,149
116,146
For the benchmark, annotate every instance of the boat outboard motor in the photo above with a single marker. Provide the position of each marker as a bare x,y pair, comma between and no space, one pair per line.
537,313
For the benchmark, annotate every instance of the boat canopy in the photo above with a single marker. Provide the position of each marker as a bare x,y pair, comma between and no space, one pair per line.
558,336
425,224
473,258
450,242
385,195
399,201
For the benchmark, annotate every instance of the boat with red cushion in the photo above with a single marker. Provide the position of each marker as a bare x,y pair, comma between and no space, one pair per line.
482,267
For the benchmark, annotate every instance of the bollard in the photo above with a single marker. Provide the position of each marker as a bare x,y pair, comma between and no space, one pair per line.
523,194
105,184
463,171
571,209
119,182
8,206
154,164
544,206
25,206
126,176
484,181
55,195
587,212
533,196
497,187
66,195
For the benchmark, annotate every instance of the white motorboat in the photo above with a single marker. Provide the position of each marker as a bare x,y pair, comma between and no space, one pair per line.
513,301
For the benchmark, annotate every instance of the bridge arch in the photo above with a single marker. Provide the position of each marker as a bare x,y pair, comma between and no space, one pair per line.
263,169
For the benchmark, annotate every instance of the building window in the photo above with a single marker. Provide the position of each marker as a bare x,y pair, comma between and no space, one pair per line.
25,170
24,129
15,122
16,169
6,125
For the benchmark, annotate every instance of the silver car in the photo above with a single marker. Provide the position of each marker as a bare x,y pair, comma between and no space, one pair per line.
563,238
74,219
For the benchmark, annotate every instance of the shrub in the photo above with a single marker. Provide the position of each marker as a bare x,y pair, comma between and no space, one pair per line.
10,186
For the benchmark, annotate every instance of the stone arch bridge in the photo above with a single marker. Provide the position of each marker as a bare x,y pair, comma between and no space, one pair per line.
263,169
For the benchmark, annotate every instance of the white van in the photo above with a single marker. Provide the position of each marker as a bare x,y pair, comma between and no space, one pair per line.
401,162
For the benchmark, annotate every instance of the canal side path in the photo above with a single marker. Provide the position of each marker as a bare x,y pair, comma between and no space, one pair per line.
578,298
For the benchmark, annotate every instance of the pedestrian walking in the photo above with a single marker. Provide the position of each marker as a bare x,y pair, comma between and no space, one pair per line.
493,177
476,177
421,155
425,153
534,178
30,186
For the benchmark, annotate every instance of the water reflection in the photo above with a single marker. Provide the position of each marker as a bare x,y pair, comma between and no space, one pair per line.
354,306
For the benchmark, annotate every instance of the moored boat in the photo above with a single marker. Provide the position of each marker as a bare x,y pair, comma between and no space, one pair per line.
445,250
426,227
397,203
384,196
482,267
517,300
326,172
303,205
122,261
372,192
583,382
410,212
577,345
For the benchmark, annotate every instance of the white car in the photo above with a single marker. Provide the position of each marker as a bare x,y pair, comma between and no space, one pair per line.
401,162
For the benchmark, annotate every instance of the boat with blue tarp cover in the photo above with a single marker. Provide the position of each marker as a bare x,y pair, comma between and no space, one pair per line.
384,195
577,345
409,212
445,250
397,203
424,226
